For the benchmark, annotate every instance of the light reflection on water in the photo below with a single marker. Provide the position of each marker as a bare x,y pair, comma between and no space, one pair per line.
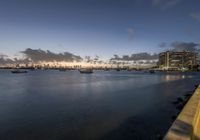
57,105
169,78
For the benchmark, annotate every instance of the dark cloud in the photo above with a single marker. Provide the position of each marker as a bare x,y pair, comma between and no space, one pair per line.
116,56
3,56
181,46
4,61
165,4
32,55
185,46
21,61
137,56
144,56
48,56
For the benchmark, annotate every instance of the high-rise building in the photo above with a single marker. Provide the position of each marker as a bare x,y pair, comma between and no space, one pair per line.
171,60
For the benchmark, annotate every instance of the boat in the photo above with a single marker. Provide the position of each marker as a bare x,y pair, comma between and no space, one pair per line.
118,69
151,71
86,71
62,69
65,69
19,71
106,69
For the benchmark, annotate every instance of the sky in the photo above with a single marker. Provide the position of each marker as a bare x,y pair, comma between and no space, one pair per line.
97,27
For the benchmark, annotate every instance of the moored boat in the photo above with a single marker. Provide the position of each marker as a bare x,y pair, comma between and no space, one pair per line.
62,69
19,71
151,71
86,71
118,69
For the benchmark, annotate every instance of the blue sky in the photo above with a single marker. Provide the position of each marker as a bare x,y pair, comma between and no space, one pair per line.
102,27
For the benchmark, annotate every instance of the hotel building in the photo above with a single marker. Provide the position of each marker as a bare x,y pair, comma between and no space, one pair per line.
171,60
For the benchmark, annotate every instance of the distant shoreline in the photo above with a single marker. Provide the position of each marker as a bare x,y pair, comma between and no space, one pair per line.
103,69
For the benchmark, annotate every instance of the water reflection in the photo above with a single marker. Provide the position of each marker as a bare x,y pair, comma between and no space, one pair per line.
169,78
105,105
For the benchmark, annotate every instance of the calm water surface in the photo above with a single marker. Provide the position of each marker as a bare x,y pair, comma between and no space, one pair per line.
53,105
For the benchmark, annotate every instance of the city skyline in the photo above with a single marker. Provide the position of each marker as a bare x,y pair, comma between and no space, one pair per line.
103,28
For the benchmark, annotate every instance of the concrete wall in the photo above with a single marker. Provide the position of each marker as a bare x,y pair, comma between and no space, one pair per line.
187,124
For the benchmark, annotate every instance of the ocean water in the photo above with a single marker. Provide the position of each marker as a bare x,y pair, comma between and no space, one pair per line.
105,105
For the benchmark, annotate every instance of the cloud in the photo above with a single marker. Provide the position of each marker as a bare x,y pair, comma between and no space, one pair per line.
181,46
144,56
196,16
137,56
185,46
38,55
4,61
3,56
130,34
165,4
48,56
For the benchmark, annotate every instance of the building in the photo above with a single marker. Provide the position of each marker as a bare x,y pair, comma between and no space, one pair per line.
171,60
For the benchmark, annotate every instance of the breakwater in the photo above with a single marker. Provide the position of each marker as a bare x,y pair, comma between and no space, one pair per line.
187,124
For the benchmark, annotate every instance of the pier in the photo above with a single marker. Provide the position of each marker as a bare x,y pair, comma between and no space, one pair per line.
187,124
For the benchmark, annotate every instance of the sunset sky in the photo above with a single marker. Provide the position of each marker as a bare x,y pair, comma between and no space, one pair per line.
102,27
